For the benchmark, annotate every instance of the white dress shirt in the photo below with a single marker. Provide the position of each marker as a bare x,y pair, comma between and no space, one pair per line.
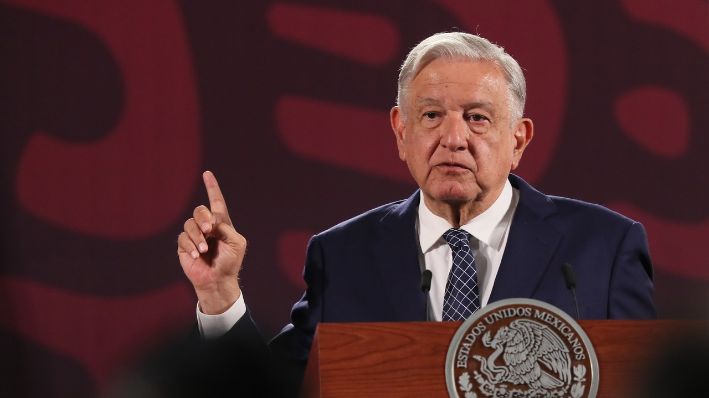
489,230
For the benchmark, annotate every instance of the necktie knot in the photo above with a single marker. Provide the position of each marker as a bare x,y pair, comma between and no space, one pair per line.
457,238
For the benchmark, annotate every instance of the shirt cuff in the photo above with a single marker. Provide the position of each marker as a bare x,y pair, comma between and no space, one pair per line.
214,326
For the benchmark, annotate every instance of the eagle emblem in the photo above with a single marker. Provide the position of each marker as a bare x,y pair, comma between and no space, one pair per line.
532,355
521,348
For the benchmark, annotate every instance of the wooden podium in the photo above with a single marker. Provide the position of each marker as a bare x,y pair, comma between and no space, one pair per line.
408,359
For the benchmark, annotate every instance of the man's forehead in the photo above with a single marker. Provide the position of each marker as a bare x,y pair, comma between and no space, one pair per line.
483,94
460,83
468,75
457,70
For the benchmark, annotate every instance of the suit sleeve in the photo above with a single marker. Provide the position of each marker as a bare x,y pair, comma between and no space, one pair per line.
291,347
631,285
235,364
245,360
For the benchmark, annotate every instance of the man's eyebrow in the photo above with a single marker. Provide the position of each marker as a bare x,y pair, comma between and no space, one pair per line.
427,101
487,105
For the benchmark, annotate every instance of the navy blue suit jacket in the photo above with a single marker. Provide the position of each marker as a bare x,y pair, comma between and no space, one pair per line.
367,269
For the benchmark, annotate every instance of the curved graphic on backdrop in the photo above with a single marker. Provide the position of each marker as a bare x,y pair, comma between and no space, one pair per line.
137,179
665,132
660,120
353,137
113,336
344,33
129,181
688,17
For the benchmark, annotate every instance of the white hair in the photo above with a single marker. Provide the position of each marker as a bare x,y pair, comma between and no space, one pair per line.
466,46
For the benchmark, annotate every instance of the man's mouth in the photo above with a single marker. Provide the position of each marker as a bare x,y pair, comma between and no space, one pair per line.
452,167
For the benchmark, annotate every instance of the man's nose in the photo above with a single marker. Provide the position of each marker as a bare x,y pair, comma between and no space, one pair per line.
454,135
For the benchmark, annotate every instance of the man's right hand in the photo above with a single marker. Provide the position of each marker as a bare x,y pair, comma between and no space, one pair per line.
211,252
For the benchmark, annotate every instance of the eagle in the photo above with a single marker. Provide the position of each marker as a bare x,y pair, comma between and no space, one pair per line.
532,353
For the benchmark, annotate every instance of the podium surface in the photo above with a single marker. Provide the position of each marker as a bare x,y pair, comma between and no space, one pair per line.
408,359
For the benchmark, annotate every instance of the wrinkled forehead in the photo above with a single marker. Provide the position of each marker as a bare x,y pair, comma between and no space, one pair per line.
458,80
461,76
452,60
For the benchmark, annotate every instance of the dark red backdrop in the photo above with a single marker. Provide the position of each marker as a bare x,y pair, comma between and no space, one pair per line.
110,111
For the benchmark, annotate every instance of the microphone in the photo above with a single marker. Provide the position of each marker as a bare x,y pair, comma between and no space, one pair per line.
426,287
426,280
570,279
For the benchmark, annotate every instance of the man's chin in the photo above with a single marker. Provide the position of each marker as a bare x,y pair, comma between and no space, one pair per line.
455,194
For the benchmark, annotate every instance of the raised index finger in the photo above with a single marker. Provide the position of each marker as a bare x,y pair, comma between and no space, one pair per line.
217,204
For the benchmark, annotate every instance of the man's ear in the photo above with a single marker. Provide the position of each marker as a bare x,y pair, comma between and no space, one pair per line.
523,134
396,118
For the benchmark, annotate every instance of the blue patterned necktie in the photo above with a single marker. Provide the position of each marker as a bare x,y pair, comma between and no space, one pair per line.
461,297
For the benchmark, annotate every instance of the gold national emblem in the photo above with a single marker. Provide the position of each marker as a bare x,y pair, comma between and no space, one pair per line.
519,348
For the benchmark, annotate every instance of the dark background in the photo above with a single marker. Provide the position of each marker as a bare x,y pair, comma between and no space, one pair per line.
109,111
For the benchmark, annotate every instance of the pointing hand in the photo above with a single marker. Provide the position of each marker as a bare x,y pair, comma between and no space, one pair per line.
211,252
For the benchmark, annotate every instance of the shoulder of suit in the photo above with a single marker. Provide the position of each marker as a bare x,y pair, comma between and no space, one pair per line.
566,208
600,213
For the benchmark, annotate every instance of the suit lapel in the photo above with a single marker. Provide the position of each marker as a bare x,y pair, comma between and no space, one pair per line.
396,251
530,245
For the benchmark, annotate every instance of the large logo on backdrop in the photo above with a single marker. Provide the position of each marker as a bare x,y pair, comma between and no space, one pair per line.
521,348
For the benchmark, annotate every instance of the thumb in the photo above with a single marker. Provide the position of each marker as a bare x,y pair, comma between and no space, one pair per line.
227,234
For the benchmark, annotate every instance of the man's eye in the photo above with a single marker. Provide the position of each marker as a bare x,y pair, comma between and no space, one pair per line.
430,115
476,117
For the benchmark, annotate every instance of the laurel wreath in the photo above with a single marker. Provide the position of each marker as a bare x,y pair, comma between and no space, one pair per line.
577,389
579,378
466,386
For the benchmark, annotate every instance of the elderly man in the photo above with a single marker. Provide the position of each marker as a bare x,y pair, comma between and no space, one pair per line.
484,233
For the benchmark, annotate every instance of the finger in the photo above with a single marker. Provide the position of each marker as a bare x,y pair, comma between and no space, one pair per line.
217,204
204,218
185,245
196,235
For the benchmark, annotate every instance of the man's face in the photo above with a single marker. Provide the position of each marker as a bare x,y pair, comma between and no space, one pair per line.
455,132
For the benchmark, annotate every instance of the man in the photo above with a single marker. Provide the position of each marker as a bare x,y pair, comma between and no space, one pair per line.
484,233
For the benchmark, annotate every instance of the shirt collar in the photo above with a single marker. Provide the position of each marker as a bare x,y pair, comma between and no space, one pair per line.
484,227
